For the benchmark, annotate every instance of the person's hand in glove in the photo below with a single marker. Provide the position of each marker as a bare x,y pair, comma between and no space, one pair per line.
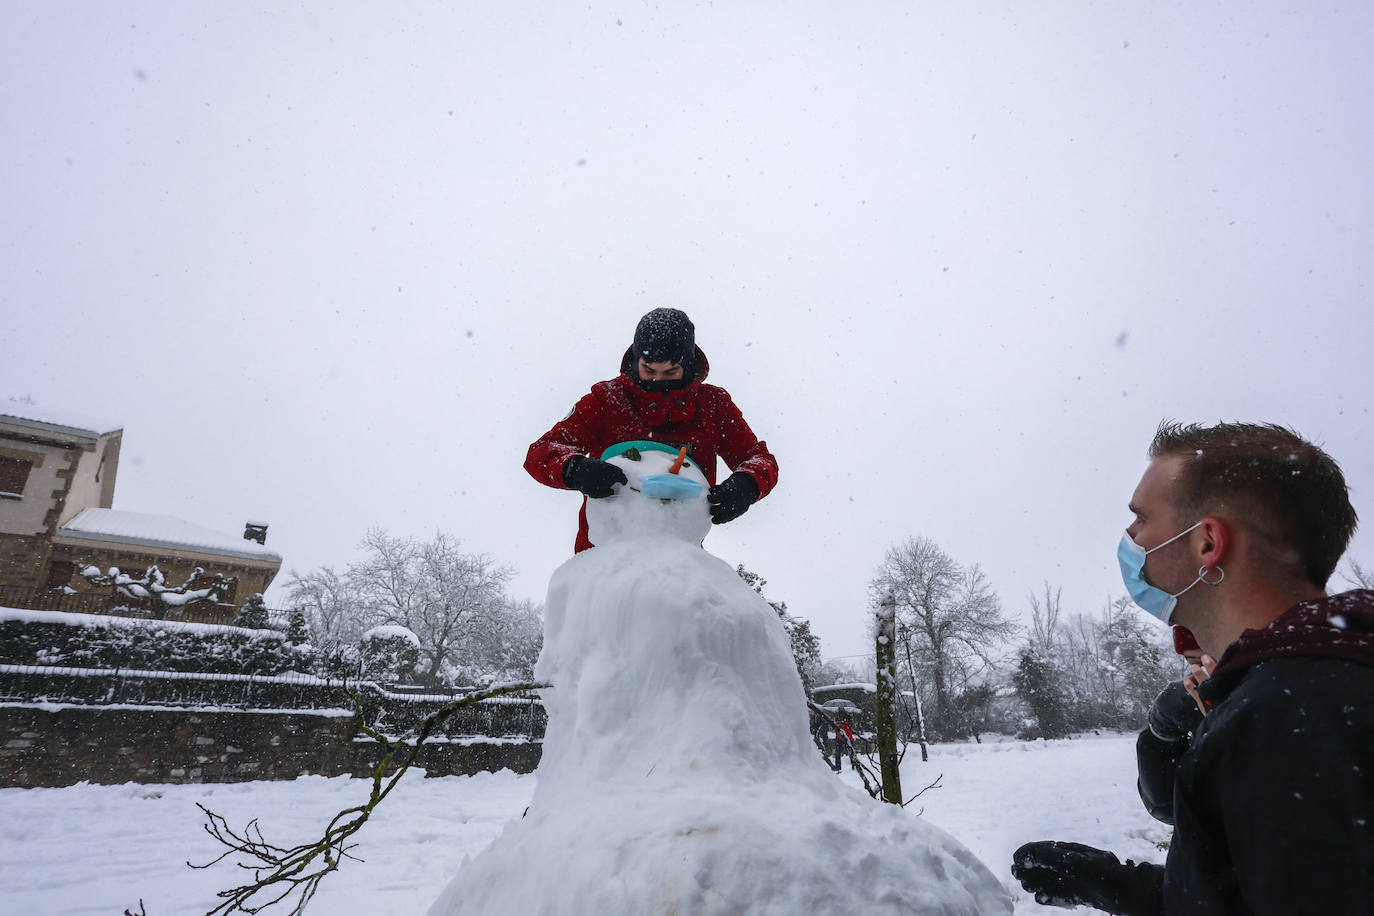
730,499
592,476
1071,874
1174,714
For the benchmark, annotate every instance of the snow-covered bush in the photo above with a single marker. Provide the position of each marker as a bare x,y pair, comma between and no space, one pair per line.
389,653
297,629
95,641
253,614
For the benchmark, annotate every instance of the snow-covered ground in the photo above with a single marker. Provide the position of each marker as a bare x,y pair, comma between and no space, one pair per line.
100,849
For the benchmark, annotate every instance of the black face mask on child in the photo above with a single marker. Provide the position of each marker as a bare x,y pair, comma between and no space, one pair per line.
659,385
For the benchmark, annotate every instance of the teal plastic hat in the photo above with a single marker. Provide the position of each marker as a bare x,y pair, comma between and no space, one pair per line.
646,445
660,486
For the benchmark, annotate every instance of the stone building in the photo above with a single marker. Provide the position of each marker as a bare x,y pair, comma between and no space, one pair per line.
57,482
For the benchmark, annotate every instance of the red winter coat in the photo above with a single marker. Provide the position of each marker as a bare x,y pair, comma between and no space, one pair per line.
700,416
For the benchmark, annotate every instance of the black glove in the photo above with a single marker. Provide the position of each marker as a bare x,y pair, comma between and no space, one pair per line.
592,476
1174,715
730,499
1071,874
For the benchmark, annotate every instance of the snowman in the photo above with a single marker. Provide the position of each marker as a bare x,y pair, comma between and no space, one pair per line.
678,774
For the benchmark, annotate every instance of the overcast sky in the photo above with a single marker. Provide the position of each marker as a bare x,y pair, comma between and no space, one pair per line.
337,265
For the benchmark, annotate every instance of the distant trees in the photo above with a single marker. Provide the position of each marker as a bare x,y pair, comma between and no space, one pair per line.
951,628
467,627
1357,576
431,588
1094,671
331,611
1039,677
839,671
806,647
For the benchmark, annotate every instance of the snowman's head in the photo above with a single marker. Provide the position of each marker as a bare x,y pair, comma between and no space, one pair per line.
655,503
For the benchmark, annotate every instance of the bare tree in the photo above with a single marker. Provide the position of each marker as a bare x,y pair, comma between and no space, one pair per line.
502,646
1358,576
333,614
152,587
1045,609
432,588
949,619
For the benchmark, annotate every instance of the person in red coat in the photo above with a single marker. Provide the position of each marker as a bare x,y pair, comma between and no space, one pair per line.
660,395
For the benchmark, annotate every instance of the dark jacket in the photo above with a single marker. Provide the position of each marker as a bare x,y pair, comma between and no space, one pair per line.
1274,799
700,416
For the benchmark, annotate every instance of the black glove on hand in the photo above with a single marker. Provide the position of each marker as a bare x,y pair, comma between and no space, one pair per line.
730,499
1071,874
592,476
1174,714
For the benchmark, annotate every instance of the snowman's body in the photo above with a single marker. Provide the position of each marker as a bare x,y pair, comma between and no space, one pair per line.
678,774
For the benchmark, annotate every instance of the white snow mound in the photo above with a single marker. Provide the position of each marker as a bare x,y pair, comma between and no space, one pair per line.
678,775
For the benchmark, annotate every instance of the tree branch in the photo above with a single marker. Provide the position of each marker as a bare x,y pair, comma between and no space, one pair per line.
279,872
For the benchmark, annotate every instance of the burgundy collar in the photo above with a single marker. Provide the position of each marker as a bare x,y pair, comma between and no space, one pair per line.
1337,626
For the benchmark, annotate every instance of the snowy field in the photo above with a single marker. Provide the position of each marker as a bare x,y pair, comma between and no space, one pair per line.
99,849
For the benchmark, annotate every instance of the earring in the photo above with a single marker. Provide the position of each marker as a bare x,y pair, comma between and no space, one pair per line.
1202,574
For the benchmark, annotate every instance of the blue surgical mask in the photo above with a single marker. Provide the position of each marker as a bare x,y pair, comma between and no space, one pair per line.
1155,601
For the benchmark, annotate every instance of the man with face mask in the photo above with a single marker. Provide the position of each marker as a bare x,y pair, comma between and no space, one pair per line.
660,395
1237,529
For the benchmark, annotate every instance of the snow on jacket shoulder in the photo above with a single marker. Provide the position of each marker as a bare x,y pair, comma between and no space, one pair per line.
700,416
1274,801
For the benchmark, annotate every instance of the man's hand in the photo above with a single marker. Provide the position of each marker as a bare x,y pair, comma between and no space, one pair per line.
1071,874
1175,713
1199,671
730,499
592,476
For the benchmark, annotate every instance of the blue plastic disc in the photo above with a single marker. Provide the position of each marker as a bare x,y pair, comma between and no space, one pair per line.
670,486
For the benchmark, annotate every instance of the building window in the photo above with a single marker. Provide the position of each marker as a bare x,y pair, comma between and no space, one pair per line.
14,474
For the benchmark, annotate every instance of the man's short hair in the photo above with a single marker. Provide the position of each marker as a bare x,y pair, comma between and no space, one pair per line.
1277,482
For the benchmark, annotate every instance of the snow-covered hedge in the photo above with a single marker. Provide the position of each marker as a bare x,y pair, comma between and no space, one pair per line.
92,660
50,638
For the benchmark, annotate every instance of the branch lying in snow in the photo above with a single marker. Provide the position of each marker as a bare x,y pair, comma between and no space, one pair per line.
933,785
301,868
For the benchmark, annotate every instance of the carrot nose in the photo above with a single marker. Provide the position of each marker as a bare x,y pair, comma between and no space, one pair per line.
681,457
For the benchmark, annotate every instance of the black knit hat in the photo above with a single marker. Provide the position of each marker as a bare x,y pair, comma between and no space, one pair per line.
665,335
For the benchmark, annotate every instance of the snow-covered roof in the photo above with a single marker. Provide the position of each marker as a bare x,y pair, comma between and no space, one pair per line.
866,688
70,422
144,530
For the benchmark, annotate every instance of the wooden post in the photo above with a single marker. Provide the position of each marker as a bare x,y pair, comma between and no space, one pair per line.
886,700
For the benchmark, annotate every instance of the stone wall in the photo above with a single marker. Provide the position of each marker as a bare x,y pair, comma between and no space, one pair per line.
47,745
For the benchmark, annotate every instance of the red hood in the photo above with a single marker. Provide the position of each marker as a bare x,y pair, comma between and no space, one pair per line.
1338,626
